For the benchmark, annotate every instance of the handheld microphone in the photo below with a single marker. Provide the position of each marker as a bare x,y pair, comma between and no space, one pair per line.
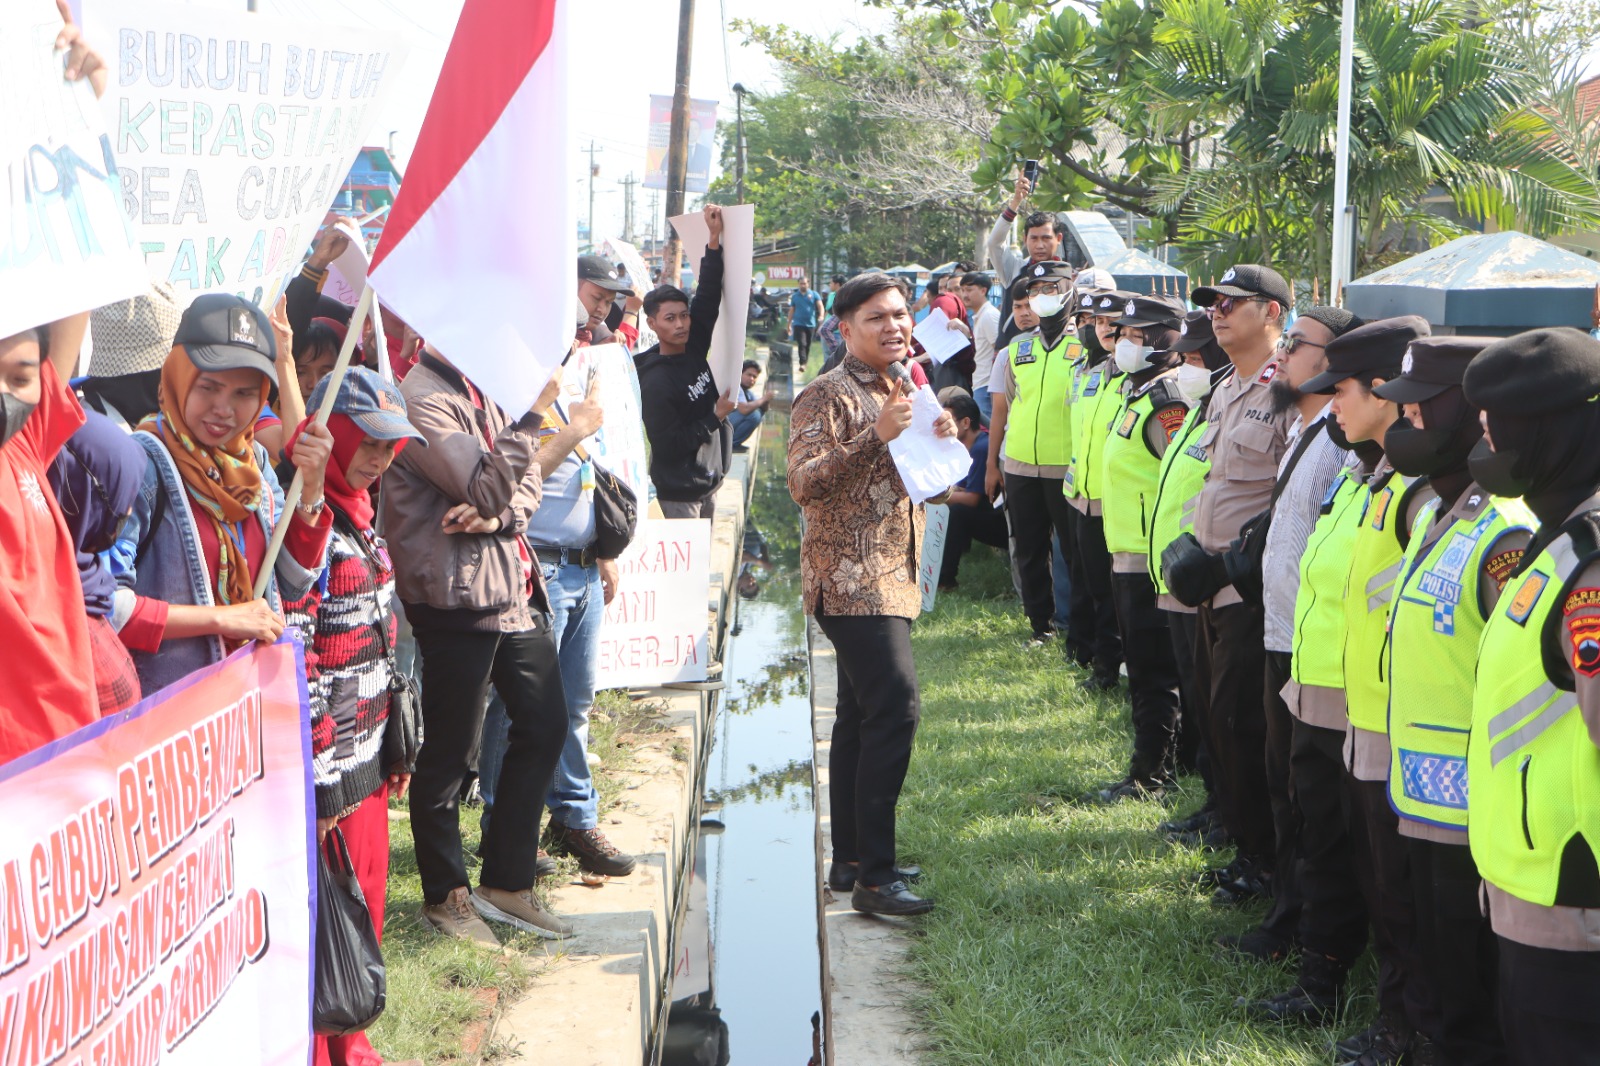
899,373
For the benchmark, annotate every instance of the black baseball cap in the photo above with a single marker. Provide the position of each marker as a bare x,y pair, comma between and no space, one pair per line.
1535,373
1194,332
1432,365
598,269
1151,311
1245,279
223,332
1375,346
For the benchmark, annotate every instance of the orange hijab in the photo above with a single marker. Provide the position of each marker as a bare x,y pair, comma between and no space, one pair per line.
225,481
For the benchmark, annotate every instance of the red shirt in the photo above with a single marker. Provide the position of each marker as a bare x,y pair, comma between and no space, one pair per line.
49,677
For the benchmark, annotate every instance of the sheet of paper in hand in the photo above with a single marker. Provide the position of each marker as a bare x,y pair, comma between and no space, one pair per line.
937,338
928,463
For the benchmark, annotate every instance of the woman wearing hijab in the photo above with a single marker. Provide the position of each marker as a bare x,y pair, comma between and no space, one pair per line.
347,619
96,479
187,559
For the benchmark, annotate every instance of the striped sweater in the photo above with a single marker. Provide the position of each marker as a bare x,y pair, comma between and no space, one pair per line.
347,670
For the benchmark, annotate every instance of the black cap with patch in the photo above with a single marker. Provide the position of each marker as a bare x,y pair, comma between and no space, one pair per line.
1151,311
1112,304
1375,346
1535,373
1243,280
1432,365
598,269
1194,332
1049,270
222,332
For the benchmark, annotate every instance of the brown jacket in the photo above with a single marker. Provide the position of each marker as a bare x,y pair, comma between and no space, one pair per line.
478,574
863,536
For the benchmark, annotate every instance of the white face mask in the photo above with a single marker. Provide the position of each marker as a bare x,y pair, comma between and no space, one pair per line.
1131,357
1193,381
1045,304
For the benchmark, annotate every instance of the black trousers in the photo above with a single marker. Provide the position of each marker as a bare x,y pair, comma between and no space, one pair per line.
1094,565
1080,604
457,668
1548,1004
1152,674
1229,654
1036,507
802,341
1192,754
1458,952
1284,916
875,724
1383,862
984,524
1333,908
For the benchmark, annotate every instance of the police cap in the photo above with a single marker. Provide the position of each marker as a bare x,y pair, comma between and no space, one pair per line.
1534,373
1194,332
1152,311
1431,365
1375,346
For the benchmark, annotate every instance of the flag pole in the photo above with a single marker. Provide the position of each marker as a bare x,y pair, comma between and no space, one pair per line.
1343,236
291,498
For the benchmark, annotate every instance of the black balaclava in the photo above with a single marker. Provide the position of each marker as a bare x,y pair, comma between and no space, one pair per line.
1160,339
1554,458
1091,341
1439,452
1212,355
1053,327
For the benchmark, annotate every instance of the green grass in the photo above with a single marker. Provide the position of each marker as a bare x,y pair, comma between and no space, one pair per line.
441,989
1065,934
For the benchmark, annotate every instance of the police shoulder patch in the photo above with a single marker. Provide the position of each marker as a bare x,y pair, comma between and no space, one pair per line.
1171,419
1500,565
1579,598
1268,372
1584,633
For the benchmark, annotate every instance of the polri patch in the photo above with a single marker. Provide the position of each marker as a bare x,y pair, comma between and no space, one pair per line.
1527,596
1268,372
1171,419
1585,635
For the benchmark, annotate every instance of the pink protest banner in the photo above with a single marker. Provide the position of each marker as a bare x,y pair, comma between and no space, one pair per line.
156,886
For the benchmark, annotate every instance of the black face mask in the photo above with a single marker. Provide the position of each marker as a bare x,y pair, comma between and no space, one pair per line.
1420,452
14,414
1089,338
1496,471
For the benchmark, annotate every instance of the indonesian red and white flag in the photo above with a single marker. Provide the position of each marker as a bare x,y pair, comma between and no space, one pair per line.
479,252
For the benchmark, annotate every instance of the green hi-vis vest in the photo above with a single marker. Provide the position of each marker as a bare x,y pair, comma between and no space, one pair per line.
1535,773
1095,401
1318,654
1037,422
1375,558
1434,629
1127,462
1178,485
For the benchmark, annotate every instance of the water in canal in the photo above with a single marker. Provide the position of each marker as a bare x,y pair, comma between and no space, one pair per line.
749,973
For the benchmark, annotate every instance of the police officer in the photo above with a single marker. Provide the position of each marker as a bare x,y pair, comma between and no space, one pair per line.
1030,434
1183,474
1245,438
1463,548
1533,757
1096,398
1151,412
1384,510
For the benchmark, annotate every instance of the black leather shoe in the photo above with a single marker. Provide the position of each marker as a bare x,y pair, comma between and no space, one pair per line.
1298,1005
1353,1047
1099,682
894,900
1257,944
1198,822
1130,787
1249,887
1388,1048
1221,875
842,875
1214,839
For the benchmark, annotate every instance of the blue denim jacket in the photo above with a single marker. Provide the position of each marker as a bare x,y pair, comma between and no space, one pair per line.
174,568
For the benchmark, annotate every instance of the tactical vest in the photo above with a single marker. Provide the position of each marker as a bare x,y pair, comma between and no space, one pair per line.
1096,399
1434,629
1318,651
1178,485
1535,771
1037,422
1375,557
1128,463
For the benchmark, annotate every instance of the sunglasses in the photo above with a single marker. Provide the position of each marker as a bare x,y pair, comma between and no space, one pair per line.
1226,304
1292,342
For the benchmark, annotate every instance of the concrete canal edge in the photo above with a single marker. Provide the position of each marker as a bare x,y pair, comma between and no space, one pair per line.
603,1000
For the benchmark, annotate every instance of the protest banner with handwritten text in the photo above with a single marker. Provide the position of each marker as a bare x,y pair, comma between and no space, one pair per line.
155,885
233,134
65,245
656,629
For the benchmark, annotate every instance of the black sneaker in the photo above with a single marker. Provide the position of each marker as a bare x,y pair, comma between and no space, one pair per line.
842,875
1257,944
1298,1005
1353,1047
1389,1048
1249,887
1129,788
1199,821
590,847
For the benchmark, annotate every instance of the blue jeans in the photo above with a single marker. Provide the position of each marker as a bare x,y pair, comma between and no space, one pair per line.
744,425
577,604
980,396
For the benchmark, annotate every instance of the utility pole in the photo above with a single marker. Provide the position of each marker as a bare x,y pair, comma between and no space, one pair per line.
655,218
627,206
594,172
1343,230
678,145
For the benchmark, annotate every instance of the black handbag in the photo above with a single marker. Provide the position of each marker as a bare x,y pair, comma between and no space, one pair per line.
350,986
1249,551
616,514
